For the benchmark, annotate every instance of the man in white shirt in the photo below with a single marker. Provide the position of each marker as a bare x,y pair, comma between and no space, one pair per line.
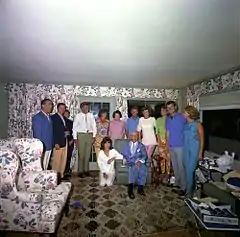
84,132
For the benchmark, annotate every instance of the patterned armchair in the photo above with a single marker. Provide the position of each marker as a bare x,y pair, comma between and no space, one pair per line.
36,179
38,205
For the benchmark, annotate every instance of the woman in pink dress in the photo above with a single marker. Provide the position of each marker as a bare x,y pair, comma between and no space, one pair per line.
117,127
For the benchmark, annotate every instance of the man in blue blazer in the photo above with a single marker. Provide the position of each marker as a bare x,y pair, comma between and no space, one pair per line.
135,154
42,129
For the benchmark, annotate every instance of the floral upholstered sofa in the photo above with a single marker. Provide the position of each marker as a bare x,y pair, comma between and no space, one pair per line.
36,204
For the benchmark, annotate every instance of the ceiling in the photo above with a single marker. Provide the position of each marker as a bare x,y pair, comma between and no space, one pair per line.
140,43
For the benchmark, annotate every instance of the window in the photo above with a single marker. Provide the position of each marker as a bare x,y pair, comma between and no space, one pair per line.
95,107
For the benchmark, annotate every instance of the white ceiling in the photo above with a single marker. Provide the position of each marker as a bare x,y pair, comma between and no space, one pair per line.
141,43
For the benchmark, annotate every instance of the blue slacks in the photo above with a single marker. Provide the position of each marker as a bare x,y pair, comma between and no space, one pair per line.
190,164
176,156
138,175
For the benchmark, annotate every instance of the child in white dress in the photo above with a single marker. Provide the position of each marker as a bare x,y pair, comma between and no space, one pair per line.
106,159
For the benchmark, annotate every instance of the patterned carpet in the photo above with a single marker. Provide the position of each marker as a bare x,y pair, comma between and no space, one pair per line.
107,211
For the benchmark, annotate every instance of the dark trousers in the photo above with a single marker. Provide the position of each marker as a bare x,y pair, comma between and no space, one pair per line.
69,157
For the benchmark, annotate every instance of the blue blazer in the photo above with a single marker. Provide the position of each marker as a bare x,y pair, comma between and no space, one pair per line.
140,154
42,130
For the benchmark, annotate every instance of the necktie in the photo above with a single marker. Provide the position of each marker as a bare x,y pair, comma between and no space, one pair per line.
133,148
86,122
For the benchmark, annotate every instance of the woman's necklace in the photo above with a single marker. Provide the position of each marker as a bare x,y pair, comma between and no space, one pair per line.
106,153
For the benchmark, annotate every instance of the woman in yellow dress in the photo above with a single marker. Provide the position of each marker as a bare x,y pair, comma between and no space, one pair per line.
162,145
102,124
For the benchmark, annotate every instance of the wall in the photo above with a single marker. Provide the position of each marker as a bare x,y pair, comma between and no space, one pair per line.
24,100
182,99
222,99
219,91
4,112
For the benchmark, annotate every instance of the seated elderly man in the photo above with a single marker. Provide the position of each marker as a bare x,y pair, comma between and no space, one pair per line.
135,155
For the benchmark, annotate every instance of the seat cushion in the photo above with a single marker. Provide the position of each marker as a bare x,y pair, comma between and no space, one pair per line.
122,169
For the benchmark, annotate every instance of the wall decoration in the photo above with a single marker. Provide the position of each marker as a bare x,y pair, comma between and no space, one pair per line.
229,81
25,98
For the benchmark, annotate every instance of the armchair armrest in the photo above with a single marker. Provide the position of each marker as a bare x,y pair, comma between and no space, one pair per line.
119,163
38,181
29,197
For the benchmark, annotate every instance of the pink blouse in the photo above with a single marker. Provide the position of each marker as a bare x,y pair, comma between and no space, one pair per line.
117,129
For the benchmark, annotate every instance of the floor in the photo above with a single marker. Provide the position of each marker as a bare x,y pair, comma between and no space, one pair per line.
107,211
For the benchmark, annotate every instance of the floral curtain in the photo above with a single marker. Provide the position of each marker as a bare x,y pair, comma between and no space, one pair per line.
24,100
229,81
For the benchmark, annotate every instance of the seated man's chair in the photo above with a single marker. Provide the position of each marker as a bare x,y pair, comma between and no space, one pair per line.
26,211
122,171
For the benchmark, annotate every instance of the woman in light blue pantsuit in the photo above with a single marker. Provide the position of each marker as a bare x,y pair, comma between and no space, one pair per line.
193,146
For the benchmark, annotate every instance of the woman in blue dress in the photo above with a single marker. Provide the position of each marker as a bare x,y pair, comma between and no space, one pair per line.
193,146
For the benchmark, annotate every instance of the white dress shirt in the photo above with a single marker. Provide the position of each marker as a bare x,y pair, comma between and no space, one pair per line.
84,123
134,146
47,115
133,149
63,120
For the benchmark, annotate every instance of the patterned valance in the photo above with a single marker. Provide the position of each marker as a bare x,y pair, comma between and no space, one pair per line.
229,81
24,100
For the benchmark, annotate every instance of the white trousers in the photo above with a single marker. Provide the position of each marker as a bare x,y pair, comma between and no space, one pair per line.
46,159
109,181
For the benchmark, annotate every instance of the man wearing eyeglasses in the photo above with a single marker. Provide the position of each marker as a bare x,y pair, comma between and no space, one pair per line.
174,126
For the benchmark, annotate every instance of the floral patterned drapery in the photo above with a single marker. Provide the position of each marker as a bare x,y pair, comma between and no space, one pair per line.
229,81
24,100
